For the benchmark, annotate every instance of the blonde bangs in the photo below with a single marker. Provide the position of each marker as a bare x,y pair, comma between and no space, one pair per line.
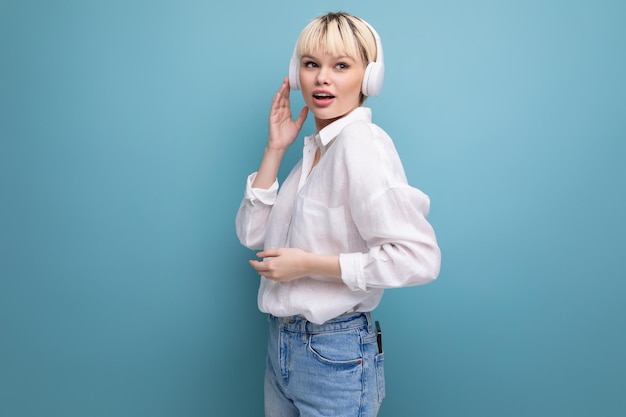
340,36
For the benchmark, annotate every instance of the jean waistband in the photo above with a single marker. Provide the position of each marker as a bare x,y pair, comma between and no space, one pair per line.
344,322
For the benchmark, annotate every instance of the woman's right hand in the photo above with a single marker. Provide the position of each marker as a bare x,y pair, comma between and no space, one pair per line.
282,134
283,131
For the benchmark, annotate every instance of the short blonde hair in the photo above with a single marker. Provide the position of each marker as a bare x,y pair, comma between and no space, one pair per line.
338,34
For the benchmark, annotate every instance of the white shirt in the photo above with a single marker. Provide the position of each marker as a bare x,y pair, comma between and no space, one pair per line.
355,203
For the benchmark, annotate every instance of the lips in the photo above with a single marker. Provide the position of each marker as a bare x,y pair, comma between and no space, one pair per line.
322,98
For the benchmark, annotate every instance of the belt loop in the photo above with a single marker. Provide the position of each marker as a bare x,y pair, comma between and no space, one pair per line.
368,315
303,330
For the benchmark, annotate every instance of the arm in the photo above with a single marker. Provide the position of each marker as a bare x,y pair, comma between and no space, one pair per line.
403,250
402,246
390,215
262,186
288,264
282,134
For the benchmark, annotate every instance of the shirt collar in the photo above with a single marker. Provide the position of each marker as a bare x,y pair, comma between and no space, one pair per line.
330,132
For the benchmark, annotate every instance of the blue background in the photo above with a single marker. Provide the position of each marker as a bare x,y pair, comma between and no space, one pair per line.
127,130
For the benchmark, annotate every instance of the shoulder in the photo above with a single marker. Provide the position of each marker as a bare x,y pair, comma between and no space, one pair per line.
357,130
365,149
363,135
366,142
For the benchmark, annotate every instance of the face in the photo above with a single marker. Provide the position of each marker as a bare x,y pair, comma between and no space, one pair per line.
331,85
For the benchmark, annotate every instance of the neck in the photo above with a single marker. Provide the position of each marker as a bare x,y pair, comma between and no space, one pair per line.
322,123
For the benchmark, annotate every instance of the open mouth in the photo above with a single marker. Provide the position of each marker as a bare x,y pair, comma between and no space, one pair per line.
323,96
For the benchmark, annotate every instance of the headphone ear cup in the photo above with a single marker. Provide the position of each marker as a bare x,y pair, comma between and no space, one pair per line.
373,79
294,70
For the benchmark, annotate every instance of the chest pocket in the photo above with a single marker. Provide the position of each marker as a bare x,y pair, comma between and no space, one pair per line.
317,228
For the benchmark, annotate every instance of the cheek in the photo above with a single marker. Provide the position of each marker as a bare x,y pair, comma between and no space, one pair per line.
306,74
355,88
356,83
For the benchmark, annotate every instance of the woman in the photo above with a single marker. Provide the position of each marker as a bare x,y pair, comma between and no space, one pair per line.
344,226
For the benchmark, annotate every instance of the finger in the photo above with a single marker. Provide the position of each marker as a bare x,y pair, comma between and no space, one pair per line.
258,266
302,117
281,91
278,100
284,96
268,253
285,84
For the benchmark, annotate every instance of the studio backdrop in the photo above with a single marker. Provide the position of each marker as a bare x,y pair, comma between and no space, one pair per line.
128,128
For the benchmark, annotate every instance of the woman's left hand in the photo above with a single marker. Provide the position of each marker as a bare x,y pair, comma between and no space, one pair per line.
282,265
288,264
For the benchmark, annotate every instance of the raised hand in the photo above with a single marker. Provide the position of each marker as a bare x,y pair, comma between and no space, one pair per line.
282,134
282,129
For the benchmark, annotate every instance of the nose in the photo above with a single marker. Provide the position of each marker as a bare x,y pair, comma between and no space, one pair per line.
322,76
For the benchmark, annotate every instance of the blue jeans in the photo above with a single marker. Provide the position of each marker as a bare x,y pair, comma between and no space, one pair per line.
333,369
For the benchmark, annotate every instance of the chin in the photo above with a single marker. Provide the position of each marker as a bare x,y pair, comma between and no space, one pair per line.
326,114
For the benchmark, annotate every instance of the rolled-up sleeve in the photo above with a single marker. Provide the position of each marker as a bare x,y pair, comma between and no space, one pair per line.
402,246
254,210
263,196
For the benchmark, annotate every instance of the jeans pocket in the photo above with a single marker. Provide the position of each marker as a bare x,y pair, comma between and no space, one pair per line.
380,376
336,348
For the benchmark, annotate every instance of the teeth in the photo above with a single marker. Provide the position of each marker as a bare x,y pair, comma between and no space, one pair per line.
323,95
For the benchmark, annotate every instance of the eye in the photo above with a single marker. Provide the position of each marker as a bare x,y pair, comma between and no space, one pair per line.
342,66
309,64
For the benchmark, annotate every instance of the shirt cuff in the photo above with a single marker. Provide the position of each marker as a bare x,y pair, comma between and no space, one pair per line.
351,265
264,196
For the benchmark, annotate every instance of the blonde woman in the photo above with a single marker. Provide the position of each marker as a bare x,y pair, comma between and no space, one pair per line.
342,227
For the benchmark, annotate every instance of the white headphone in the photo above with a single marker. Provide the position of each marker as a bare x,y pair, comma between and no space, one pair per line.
374,72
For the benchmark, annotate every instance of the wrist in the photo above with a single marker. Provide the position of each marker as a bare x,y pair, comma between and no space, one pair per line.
326,265
275,152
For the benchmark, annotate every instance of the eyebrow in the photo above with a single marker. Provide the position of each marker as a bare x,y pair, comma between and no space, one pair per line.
344,57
